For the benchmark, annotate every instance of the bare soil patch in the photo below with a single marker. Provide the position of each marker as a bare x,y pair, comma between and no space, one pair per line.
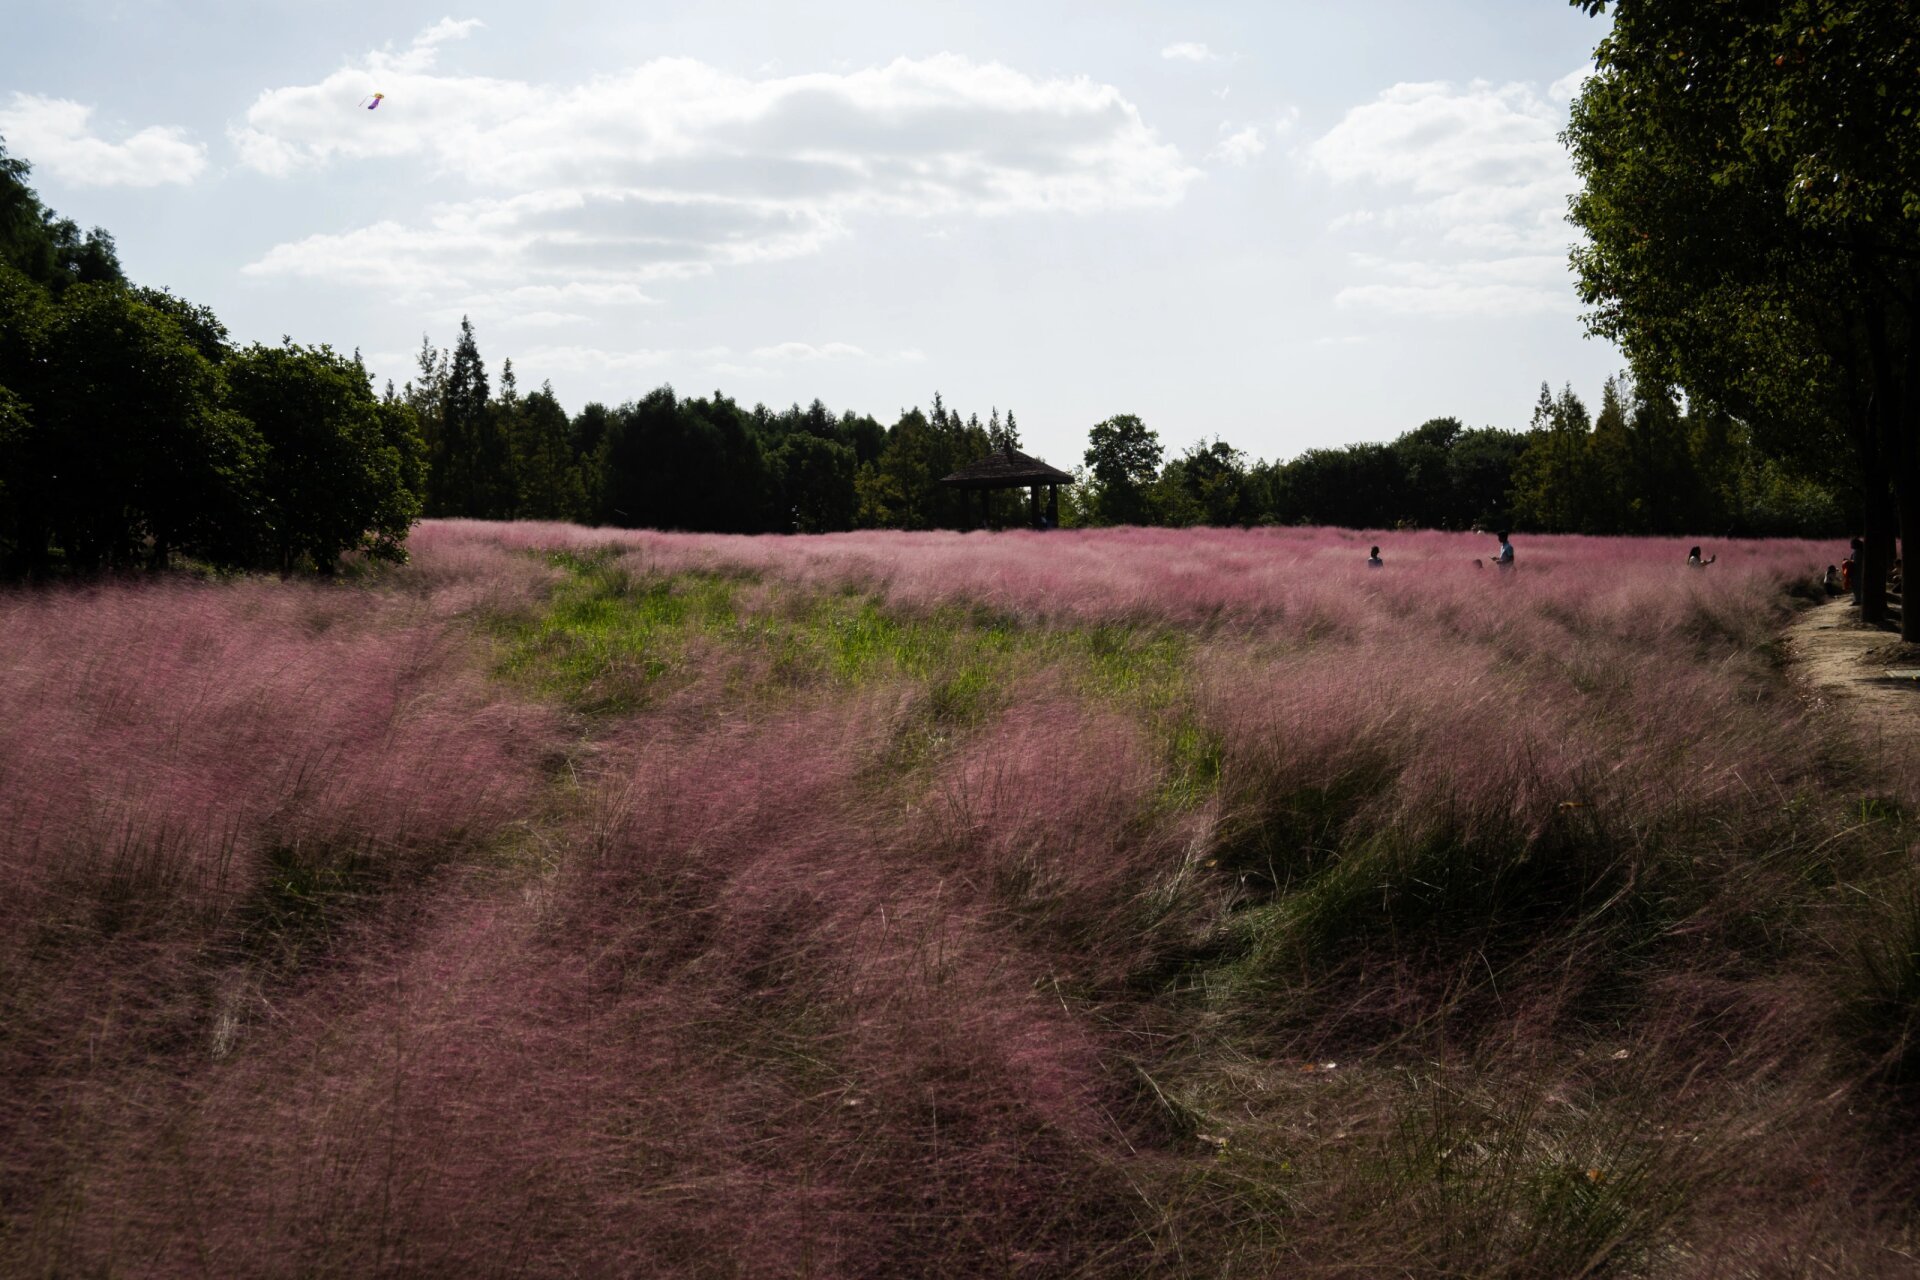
1845,664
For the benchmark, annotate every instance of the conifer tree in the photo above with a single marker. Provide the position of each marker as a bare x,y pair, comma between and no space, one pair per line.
549,484
479,477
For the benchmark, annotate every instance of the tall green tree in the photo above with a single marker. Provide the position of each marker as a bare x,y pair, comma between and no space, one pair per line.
425,394
1207,485
473,473
816,482
1123,456
1359,487
547,478
48,250
1426,480
340,468
1556,488
1751,199
687,464
129,452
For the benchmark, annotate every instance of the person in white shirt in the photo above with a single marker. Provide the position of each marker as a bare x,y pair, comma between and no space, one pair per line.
1504,559
1373,559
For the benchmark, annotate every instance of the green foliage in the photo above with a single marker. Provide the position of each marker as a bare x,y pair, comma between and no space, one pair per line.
1208,484
1645,466
1359,486
547,479
49,251
692,464
1753,231
1555,487
816,482
132,432
665,461
471,468
335,476
1123,456
129,451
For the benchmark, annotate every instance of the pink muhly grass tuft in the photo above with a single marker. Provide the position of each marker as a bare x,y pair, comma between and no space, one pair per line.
195,782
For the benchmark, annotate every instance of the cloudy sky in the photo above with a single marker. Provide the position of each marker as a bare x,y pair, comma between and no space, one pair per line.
1280,222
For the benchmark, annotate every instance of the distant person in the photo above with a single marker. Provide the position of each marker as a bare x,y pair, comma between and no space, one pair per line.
1503,559
1695,562
1850,567
1893,577
1374,561
1832,581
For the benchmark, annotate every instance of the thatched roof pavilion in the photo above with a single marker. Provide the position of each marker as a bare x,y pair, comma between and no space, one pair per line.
1010,469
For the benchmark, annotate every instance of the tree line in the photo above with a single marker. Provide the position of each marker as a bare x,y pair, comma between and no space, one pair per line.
1645,463
132,429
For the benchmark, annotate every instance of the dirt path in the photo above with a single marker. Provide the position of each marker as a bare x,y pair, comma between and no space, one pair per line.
1844,665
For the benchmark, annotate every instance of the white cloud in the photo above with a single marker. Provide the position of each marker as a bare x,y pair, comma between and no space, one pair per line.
807,352
1285,124
56,136
596,246
764,362
1239,147
574,359
1485,232
1440,139
1529,285
534,319
675,168
1568,86
424,51
1187,51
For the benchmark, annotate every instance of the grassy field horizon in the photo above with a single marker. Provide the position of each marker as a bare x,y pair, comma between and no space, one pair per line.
1091,902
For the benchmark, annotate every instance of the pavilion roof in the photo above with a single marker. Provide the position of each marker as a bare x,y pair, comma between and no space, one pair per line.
1006,469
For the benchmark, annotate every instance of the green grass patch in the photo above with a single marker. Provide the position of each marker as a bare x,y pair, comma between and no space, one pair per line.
609,641
606,640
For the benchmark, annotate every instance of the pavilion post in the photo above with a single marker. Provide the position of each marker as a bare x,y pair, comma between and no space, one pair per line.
1053,506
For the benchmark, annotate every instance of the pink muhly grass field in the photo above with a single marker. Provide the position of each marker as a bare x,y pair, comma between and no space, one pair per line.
1183,576
328,948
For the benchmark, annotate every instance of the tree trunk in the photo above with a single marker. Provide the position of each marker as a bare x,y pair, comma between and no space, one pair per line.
1877,557
1880,469
1904,454
1909,508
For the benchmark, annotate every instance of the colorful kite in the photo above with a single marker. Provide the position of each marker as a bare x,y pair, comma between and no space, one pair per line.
372,102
